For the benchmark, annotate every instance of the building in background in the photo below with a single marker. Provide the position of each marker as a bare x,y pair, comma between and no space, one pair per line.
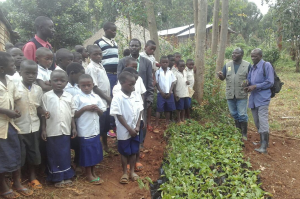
6,32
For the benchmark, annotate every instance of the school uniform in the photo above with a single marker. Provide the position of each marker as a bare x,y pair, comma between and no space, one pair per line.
17,77
29,122
191,79
182,90
130,108
58,68
58,128
10,150
73,90
100,79
43,73
88,129
152,59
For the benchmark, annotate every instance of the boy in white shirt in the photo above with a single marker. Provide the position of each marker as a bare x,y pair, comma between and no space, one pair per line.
18,56
165,82
57,130
148,53
30,105
101,88
89,106
127,109
191,79
181,91
44,58
63,58
74,70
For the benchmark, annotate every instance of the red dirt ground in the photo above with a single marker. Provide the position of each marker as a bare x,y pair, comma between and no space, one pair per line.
280,173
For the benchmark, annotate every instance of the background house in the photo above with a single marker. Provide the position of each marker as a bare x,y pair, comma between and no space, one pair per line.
6,32
181,35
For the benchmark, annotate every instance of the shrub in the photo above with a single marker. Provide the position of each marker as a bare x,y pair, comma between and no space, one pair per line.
271,54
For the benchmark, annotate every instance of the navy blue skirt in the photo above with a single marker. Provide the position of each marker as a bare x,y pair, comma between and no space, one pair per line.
10,151
90,152
59,158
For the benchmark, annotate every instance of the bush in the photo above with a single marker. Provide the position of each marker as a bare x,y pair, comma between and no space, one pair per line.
271,54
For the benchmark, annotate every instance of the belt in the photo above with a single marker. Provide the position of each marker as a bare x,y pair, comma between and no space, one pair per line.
114,73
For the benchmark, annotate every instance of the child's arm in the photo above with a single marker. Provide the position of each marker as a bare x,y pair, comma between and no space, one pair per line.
138,124
97,109
10,113
171,89
159,89
43,85
131,131
44,133
73,126
102,95
83,109
43,113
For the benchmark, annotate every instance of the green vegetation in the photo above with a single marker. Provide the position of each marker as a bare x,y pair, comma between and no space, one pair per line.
205,161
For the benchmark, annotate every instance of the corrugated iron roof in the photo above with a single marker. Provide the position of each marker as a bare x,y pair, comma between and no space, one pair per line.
173,31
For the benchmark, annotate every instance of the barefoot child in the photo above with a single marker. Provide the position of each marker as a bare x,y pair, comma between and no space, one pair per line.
30,105
181,91
165,82
57,129
191,79
10,150
127,108
63,58
89,107
44,58
101,88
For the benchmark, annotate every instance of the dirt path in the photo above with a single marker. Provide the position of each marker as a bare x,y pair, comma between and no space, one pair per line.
280,173
110,171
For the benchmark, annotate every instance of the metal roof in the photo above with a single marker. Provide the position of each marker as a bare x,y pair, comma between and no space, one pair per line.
174,31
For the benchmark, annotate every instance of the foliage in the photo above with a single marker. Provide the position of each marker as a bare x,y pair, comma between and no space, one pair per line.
271,55
71,19
191,174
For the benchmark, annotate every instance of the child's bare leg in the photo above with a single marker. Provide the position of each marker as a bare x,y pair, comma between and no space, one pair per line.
89,174
104,142
187,111
124,164
178,116
3,185
167,114
132,161
32,174
182,112
94,171
149,110
16,175
157,118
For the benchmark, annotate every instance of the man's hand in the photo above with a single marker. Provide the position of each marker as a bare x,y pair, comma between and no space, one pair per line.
13,114
250,88
44,135
74,133
220,75
132,132
245,83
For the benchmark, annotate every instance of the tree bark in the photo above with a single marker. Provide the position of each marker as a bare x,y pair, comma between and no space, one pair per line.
129,27
223,37
195,4
200,49
215,28
152,26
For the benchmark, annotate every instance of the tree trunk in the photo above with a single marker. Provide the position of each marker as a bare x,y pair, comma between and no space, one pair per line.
144,34
152,26
297,59
215,28
195,4
200,49
223,37
129,27
279,39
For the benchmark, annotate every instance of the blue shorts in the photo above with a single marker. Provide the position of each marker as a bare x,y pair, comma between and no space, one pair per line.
182,103
130,146
190,102
165,105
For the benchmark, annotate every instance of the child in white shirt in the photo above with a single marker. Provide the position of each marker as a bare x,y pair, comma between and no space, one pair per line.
74,70
44,58
57,130
181,91
89,107
191,79
127,108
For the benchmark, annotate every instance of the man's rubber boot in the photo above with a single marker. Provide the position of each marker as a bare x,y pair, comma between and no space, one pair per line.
259,141
244,127
237,124
263,146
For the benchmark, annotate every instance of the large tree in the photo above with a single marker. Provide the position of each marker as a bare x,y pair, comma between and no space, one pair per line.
215,28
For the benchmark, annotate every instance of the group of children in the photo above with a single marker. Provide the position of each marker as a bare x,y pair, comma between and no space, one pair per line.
69,108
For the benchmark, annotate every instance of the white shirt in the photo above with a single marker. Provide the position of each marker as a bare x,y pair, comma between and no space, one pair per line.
73,90
164,80
182,89
88,123
43,73
17,77
190,77
58,68
150,58
139,87
130,108
29,121
61,110
100,79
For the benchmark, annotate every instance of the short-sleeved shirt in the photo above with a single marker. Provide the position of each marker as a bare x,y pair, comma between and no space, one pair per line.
73,90
29,49
164,80
139,87
100,79
152,59
182,89
43,73
61,111
130,108
88,123
17,77
8,94
31,99
58,68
